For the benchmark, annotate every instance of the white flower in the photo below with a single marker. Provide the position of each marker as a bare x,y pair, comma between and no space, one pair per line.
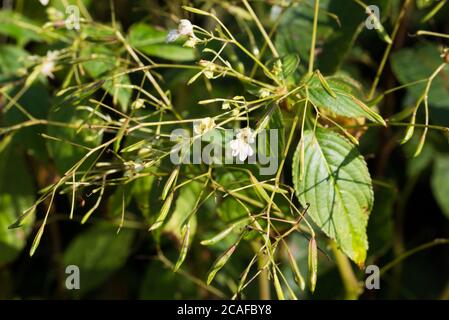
185,28
44,2
241,146
204,125
172,36
48,65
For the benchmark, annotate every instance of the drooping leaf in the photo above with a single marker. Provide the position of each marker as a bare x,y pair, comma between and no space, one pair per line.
344,102
337,185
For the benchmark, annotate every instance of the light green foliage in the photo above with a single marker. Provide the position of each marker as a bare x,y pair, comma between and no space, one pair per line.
337,185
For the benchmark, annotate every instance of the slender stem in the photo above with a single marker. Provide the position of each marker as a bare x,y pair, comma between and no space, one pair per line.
190,277
147,73
350,282
249,54
264,282
411,252
432,34
261,29
388,49
314,32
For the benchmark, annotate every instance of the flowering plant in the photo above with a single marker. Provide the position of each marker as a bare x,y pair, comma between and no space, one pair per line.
234,145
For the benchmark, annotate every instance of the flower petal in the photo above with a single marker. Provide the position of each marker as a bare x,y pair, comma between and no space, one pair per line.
172,36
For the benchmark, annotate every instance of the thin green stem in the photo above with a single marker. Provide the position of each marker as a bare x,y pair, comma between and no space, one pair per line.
388,49
314,34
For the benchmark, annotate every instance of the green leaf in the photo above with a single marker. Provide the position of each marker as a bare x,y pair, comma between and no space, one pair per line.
290,64
98,253
36,101
22,29
12,58
153,42
345,103
144,194
105,66
184,210
295,30
16,195
440,182
337,185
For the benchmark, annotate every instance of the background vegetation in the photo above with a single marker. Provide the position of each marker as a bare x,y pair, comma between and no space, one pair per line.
82,126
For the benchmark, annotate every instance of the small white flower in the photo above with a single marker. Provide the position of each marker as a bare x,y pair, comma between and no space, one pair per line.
204,125
241,146
185,28
44,2
48,65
